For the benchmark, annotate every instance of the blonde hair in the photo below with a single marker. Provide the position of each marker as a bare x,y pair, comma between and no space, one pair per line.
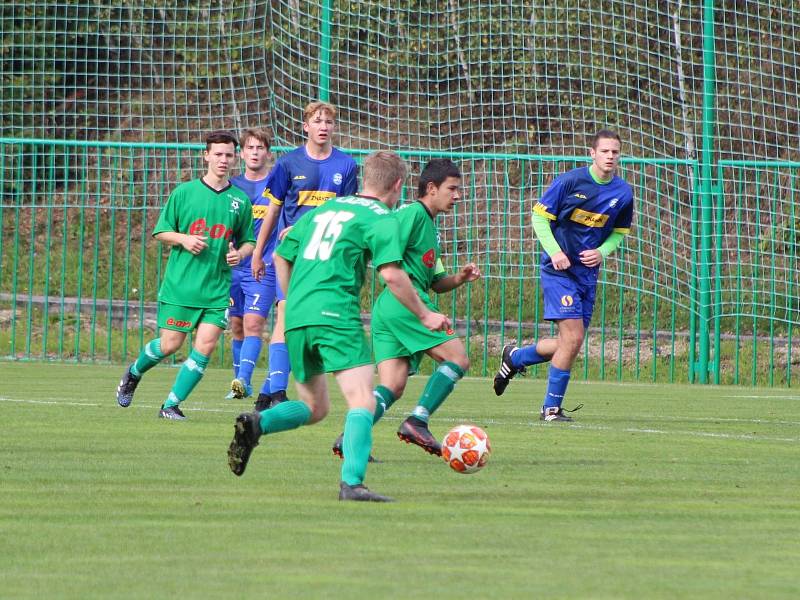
382,169
313,108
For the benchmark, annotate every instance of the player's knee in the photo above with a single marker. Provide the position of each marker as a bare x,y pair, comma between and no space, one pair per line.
318,412
170,346
463,362
237,331
396,387
252,328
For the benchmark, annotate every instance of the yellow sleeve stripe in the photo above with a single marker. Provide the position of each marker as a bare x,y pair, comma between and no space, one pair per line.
540,210
622,230
272,199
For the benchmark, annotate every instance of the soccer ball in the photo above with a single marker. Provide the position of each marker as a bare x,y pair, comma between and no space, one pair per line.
466,448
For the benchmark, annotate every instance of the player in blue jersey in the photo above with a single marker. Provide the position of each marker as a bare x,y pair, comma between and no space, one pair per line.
251,300
300,181
580,220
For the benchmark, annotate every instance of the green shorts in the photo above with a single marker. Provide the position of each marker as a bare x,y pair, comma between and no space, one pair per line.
398,333
318,349
187,318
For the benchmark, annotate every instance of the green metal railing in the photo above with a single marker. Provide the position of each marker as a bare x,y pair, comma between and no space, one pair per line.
79,271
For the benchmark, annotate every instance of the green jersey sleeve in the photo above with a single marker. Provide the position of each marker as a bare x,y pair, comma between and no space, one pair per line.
168,218
383,241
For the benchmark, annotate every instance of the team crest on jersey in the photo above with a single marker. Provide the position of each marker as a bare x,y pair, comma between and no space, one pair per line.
613,202
580,196
337,179
234,204
429,258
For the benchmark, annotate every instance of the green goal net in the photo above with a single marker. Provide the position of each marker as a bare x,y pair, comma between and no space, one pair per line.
704,97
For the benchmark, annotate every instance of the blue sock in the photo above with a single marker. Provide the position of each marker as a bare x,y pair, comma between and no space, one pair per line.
266,384
251,348
557,381
278,367
526,356
236,349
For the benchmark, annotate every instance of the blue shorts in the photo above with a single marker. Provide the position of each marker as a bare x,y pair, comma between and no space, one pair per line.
567,298
251,296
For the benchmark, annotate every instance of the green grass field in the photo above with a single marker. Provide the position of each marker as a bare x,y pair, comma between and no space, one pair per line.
654,492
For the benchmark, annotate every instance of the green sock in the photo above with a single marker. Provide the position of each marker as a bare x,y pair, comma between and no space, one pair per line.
356,445
191,372
439,386
149,357
285,416
384,398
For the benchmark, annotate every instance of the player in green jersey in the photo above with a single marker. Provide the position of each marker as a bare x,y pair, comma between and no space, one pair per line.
323,260
398,340
199,221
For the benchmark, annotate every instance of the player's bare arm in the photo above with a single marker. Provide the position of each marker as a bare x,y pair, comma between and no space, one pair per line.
397,280
283,270
193,243
270,220
468,273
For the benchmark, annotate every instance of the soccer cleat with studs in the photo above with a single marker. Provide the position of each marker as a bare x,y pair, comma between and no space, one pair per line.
337,449
506,371
173,413
246,433
360,493
241,389
126,388
415,431
556,413
263,402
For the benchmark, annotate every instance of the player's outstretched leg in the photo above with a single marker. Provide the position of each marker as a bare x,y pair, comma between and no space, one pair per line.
506,371
148,358
249,427
415,431
246,434
126,388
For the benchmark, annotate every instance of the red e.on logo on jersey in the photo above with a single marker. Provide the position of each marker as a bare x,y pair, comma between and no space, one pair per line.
216,231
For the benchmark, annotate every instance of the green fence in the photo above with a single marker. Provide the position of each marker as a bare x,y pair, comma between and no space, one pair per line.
79,271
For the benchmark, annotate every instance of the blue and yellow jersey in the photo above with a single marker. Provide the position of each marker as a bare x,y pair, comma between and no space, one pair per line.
255,191
299,183
583,213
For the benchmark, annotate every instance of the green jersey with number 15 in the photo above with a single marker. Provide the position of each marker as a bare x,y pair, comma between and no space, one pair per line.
330,247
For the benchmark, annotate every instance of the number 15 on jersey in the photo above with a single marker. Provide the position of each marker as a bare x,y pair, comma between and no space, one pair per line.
328,228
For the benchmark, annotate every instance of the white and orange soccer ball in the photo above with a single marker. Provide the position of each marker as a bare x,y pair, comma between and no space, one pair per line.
466,448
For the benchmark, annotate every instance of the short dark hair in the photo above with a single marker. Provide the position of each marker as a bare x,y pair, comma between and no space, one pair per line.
435,172
606,134
220,137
